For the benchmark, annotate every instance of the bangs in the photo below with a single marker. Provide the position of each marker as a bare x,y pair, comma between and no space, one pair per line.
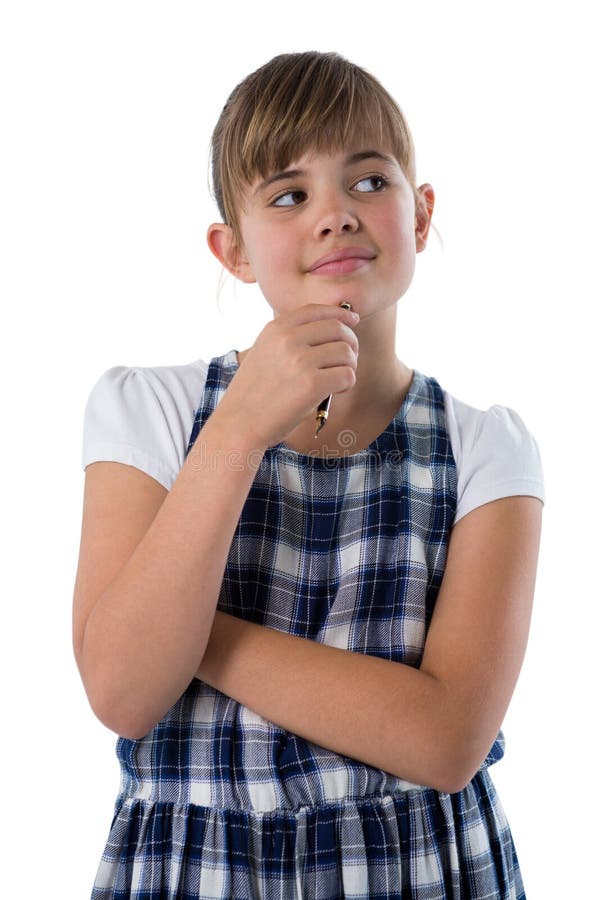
296,104
318,119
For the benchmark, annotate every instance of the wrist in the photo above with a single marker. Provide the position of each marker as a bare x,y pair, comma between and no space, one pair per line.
224,633
237,431
224,443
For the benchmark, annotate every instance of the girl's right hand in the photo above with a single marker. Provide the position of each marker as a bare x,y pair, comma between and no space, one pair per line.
297,360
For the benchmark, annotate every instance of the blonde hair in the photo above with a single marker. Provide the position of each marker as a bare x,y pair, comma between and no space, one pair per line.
296,103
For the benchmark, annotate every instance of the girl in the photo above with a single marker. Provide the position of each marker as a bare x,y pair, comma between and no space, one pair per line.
307,644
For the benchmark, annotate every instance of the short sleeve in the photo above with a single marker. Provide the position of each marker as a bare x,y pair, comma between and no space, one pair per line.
142,417
496,456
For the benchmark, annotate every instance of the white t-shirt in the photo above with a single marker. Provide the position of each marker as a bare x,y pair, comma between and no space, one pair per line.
143,417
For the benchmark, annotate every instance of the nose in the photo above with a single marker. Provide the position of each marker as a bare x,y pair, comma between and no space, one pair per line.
336,216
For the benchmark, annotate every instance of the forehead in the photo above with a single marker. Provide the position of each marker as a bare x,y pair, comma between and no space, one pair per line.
314,159
327,143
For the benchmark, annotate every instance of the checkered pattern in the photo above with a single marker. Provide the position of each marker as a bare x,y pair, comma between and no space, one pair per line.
218,802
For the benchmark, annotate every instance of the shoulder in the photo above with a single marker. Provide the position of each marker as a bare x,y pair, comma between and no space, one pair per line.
143,416
496,454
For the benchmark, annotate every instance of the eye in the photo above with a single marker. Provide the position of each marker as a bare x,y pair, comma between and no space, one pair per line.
290,198
373,183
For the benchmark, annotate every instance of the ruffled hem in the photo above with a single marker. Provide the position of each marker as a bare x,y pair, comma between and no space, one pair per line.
421,844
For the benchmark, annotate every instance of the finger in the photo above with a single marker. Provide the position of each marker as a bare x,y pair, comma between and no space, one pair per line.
323,332
312,312
334,354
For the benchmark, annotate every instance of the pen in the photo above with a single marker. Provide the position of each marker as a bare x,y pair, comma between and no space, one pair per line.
323,407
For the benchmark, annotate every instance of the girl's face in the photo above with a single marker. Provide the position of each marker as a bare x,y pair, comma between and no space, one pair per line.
332,228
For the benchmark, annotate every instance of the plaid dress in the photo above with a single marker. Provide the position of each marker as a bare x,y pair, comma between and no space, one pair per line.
218,802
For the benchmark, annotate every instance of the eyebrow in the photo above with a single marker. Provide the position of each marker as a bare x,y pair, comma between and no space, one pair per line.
296,173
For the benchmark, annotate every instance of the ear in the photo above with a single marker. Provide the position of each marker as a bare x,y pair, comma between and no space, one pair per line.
222,244
424,212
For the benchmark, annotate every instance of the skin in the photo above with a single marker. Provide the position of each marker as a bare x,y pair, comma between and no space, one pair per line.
291,223
137,650
433,725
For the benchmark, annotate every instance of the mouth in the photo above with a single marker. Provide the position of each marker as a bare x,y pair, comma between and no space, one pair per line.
342,262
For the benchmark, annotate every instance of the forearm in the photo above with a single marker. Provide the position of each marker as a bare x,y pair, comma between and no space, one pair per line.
386,714
147,632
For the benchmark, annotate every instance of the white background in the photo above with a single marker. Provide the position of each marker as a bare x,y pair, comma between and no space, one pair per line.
106,113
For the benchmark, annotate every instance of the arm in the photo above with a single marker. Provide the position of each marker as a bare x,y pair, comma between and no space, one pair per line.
151,566
432,725
345,701
150,570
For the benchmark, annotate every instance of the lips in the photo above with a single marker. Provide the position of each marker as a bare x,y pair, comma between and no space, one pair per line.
343,261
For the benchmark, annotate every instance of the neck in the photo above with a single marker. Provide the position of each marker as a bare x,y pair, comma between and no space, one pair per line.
358,416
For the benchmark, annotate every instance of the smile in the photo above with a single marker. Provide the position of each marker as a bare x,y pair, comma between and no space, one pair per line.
342,262
341,266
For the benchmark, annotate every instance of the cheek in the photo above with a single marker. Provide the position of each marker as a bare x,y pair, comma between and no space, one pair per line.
399,230
271,253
